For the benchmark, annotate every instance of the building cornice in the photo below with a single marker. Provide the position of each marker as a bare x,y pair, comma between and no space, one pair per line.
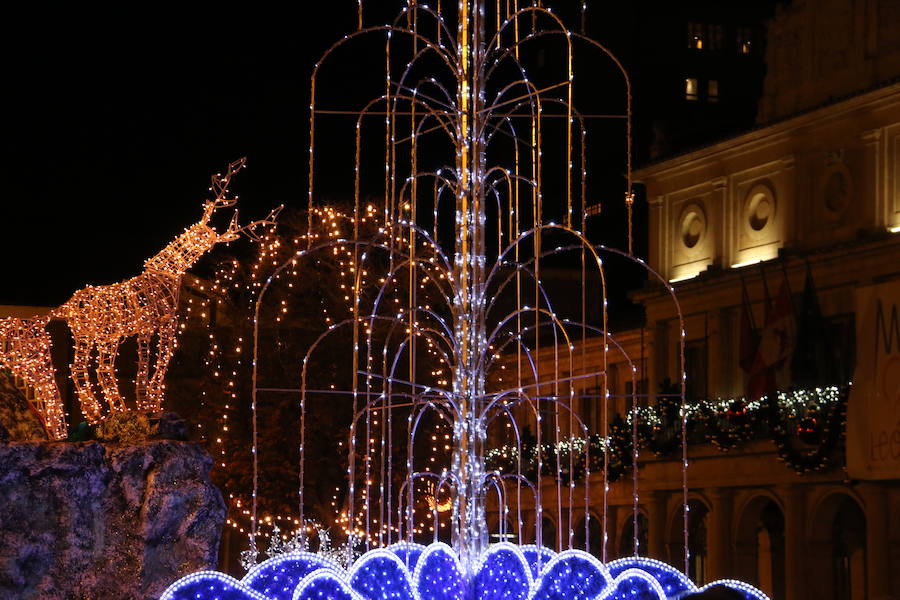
714,281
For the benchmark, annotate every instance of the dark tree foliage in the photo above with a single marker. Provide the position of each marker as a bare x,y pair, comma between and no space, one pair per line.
210,381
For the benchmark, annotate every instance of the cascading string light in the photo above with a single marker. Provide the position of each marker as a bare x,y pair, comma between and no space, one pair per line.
425,333
225,355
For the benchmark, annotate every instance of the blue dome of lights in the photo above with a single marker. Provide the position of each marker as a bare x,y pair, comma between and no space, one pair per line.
414,572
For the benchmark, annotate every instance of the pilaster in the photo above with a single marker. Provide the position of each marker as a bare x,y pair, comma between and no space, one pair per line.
656,534
719,534
794,541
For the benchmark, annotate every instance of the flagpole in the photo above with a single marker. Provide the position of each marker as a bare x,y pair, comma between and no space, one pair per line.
767,299
787,282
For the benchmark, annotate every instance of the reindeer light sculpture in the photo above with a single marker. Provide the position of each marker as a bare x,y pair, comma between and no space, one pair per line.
25,351
144,306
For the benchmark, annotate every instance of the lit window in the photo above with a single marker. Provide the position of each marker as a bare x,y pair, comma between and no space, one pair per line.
712,90
695,35
745,40
690,88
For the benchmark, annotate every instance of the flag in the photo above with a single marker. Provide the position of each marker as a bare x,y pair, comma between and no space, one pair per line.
759,375
770,368
767,300
777,339
813,362
761,381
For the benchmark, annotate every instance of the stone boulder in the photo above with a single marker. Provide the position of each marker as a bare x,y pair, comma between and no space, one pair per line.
89,520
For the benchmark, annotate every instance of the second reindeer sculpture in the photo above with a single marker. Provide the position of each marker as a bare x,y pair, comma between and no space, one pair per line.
145,306
25,352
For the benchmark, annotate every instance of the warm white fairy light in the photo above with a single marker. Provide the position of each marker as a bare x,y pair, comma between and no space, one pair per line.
145,306
226,357
25,351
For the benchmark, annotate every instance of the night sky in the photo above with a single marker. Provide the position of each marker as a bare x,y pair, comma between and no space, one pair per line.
114,120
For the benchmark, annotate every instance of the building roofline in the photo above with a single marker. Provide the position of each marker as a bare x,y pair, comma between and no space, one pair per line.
762,134
21,311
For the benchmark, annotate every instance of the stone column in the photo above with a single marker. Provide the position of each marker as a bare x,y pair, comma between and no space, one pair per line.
794,541
658,243
656,536
877,547
719,534
872,182
791,226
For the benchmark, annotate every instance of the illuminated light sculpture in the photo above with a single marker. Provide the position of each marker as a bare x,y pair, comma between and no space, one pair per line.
416,294
412,572
25,352
101,317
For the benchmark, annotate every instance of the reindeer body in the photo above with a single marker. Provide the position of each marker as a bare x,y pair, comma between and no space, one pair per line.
101,317
123,309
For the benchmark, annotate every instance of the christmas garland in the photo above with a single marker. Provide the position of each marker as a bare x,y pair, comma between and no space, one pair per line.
806,426
821,430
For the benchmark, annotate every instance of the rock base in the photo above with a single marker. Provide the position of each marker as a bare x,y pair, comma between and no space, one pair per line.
97,521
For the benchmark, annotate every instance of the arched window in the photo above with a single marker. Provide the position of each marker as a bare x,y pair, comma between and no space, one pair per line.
837,549
588,535
697,542
626,541
548,533
770,550
759,546
848,554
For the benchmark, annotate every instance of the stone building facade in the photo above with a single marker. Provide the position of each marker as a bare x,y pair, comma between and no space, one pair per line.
820,193
813,191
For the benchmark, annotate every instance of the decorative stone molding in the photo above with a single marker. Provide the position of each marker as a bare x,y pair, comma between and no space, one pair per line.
759,211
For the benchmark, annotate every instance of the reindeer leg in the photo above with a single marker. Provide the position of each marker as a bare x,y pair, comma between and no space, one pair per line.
43,378
143,372
164,351
106,374
81,378
44,375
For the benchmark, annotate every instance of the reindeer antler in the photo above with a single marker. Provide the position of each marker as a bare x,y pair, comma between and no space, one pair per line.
219,187
221,182
250,228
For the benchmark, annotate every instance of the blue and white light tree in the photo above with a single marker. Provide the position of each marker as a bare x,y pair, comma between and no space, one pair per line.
483,162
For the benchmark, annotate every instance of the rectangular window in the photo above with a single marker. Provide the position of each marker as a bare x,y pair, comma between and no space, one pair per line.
712,90
745,40
715,34
550,433
695,36
690,88
639,395
591,402
641,390
695,358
